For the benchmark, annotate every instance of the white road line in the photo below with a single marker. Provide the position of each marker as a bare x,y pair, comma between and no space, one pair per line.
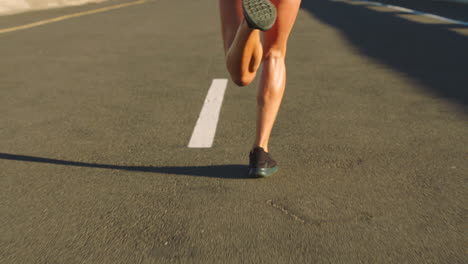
205,129
65,17
415,12
445,19
399,8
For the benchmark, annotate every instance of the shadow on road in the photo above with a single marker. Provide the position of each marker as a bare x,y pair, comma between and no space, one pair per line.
214,171
446,8
431,54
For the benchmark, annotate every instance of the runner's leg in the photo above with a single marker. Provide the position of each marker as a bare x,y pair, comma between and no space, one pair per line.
273,76
242,45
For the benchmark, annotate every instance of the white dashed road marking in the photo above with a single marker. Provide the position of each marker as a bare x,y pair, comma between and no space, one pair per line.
414,12
205,128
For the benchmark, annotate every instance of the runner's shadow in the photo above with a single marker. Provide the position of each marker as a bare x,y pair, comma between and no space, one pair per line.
232,171
431,54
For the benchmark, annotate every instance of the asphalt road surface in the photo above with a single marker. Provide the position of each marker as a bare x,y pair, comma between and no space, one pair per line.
455,9
97,112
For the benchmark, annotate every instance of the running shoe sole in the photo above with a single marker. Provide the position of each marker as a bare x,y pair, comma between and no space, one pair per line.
262,172
259,14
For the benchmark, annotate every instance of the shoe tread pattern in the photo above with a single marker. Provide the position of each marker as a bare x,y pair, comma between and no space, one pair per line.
261,12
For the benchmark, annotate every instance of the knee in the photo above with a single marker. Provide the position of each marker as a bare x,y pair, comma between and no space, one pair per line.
274,54
241,79
274,63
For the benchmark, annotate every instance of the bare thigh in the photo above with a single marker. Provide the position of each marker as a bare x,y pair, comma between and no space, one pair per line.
275,40
231,18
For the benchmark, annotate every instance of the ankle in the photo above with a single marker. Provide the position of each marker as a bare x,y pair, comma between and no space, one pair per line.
264,147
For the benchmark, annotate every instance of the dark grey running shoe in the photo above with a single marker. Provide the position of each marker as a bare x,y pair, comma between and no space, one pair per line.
259,14
261,164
